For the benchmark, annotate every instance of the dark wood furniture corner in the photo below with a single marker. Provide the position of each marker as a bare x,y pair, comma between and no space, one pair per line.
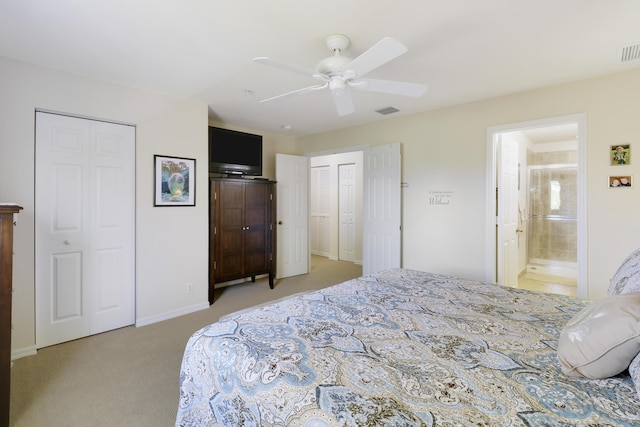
6,269
241,230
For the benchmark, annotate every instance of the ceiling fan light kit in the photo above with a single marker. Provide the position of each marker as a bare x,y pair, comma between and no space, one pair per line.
339,72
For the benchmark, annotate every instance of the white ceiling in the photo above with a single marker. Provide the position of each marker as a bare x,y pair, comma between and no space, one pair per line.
552,134
464,50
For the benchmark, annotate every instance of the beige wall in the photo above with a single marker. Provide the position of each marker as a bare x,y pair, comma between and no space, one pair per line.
446,151
164,125
171,243
443,150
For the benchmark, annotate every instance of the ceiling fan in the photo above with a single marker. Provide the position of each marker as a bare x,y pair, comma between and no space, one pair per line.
339,72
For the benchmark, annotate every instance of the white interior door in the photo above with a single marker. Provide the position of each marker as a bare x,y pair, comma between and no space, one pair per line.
381,228
320,214
292,176
85,219
507,219
347,231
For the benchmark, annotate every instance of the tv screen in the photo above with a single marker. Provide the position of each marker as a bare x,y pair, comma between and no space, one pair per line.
234,153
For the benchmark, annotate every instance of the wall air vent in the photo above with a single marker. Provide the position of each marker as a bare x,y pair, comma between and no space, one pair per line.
387,110
630,53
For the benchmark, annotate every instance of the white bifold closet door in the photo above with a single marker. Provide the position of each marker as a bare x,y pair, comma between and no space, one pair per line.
85,227
347,212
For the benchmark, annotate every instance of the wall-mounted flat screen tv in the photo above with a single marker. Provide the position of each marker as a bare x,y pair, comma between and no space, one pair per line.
234,153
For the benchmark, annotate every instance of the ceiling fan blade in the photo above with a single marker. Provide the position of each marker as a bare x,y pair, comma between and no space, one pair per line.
284,66
378,54
302,91
344,102
390,86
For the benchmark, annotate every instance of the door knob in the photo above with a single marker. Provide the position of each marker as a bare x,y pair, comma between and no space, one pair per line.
519,230
67,242
280,222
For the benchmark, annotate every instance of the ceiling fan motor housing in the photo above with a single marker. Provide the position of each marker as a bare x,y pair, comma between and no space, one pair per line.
333,65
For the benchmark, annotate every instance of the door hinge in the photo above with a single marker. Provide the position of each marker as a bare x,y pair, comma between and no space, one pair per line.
215,195
215,229
271,196
215,265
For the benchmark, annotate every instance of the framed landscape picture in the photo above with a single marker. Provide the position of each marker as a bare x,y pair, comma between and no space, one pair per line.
174,181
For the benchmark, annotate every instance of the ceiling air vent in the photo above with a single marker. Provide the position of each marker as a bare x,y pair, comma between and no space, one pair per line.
630,53
387,110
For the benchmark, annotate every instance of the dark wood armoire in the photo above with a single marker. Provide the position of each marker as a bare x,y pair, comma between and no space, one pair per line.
241,230
6,296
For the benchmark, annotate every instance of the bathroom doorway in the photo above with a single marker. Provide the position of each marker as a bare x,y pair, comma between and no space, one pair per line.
547,250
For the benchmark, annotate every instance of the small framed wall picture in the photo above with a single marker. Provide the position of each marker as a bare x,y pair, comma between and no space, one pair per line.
620,181
620,154
174,181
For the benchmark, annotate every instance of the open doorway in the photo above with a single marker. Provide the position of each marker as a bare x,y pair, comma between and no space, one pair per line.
537,192
335,206
379,243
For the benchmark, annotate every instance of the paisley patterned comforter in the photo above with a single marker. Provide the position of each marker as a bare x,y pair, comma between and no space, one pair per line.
398,348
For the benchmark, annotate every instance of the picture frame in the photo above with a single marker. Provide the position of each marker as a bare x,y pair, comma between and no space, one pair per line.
620,181
620,154
174,181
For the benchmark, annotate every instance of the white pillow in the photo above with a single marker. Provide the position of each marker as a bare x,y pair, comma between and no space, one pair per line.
602,339
626,280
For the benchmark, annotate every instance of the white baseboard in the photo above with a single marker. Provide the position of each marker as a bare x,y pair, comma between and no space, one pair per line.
24,352
170,315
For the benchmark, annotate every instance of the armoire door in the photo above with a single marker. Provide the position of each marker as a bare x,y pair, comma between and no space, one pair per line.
85,227
258,208
243,211
229,234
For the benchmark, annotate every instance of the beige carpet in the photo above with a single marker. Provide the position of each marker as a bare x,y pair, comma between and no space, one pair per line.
130,376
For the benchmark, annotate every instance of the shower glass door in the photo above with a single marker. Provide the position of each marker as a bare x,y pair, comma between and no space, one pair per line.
552,227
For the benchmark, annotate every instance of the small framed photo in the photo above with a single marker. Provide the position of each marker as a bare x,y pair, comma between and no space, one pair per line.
622,181
620,155
174,181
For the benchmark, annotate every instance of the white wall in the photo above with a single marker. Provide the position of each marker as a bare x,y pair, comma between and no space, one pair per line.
444,152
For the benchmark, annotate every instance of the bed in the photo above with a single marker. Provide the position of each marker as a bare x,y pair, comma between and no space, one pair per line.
397,348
